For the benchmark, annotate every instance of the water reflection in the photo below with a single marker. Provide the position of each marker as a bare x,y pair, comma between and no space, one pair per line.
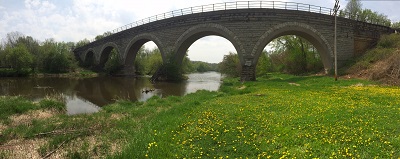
89,94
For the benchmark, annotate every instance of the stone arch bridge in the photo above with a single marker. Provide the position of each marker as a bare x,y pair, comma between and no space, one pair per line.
248,25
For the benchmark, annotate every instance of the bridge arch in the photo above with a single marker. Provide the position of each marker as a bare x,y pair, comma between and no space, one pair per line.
105,53
300,29
136,43
199,31
89,58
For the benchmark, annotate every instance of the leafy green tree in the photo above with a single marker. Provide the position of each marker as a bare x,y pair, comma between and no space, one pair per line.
56,57
354,7
396,25
186,65
82,43
230,65
264,65
368,15
113,65
148,61
18,57
295,55
202,67
105,34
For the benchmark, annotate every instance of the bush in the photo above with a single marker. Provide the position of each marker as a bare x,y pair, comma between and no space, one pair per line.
173,72
18,58
389,41
113,65
230,65
56,58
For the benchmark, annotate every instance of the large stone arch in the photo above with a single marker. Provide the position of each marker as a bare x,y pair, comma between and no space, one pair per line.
199,31
300,29
105,53
138,41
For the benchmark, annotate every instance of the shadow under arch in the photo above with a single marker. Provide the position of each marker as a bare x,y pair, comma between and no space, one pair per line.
199,31
303,30
105,53
89,59
136,43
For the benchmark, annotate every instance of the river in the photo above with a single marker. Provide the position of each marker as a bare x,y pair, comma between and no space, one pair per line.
88,95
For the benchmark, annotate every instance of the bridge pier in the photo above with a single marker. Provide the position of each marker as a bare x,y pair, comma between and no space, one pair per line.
127,71
248,73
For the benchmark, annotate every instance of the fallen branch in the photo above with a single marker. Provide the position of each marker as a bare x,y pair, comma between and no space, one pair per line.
59,132
58,147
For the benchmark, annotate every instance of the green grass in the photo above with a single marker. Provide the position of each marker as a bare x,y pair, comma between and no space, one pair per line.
272,118
280,116
14,105
17,105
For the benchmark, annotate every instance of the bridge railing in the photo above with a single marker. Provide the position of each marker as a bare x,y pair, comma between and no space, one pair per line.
232,6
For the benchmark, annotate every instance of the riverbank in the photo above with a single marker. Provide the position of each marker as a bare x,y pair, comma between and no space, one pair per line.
280,116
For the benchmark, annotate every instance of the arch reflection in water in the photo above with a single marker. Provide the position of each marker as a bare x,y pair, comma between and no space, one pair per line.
89,94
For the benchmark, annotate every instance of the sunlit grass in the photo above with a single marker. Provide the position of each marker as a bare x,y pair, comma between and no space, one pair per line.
280,117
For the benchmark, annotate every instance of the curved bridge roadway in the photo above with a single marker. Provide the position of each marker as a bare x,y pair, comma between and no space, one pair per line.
248,25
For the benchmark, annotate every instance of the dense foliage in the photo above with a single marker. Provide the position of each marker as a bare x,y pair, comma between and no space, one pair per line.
291,54
20,53
148,61
113,65
230,65
354,10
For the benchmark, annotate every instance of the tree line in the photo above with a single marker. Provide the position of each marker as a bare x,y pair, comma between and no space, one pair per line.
21,55
354,10
289,54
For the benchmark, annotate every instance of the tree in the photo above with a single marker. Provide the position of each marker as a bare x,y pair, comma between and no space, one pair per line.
295,55
396,25
230,65
18,57
82,43
105,34
113,65
264,64
353,7
147,61
56,57
12,38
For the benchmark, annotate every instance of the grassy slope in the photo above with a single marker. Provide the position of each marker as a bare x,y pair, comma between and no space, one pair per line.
379,64
283,116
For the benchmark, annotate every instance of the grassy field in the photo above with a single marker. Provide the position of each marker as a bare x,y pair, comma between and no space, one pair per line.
281,116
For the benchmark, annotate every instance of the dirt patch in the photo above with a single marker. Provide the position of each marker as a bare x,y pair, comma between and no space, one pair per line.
294,84
117,116
386,70
22,148
242,87
31,115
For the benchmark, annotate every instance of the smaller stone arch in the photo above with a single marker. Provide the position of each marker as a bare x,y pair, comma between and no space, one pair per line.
294,28
199,31
89,58
138,41
105,53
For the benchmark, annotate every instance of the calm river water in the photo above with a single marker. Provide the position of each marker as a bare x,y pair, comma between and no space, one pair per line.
89,94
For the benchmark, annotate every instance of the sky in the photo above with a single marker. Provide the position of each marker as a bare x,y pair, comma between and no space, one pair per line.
74,20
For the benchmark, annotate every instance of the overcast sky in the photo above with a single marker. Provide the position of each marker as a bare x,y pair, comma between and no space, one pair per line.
75,20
